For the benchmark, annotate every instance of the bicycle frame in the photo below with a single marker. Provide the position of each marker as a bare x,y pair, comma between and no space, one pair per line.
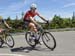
40,31
40,34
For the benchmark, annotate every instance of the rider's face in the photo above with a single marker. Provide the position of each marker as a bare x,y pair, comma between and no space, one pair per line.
33,9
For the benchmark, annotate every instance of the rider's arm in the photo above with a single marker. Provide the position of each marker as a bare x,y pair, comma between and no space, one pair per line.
42,17
32,19
6,24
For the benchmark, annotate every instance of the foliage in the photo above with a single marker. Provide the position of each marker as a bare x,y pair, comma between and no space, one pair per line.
58,22
55,23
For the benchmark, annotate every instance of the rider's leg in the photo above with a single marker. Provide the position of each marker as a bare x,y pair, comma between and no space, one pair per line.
32,27
1,30
1,33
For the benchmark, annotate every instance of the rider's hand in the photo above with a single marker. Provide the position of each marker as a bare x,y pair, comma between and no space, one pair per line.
47,22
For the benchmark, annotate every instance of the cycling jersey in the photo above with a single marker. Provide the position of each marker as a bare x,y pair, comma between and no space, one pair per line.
30,14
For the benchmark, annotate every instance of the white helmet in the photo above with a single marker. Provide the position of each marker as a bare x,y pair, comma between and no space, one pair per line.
33,6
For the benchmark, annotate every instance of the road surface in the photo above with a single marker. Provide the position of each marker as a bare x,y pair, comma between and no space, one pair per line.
65,46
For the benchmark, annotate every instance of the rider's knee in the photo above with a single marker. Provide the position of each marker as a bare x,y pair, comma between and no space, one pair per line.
31,25
1,30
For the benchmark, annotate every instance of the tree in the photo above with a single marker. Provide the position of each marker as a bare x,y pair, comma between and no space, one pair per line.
57,22
73,20
16,17
9,19
67,22
22,16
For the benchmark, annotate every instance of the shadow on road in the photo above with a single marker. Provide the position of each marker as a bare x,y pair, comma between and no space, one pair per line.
27,49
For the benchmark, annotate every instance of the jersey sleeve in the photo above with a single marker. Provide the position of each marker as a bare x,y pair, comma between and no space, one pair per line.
26,15
37,13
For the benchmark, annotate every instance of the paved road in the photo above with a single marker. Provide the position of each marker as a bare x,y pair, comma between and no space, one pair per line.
65,46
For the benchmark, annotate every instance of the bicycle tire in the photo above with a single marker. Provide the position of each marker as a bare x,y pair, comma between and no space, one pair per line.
13,43
54,41
27,40
1,42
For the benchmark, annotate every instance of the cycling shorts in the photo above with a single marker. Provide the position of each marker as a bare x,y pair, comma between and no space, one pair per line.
26,23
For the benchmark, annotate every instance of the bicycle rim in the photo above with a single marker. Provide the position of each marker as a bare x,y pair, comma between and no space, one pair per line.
9,40
49,40
29,39
1,42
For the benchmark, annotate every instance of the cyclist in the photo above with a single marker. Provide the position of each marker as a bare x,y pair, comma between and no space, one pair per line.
29,19
3,24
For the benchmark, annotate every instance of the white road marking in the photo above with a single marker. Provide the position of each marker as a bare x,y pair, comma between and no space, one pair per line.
12,54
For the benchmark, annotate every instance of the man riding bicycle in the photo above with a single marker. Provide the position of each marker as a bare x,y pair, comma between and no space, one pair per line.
3,24
33,36
29,18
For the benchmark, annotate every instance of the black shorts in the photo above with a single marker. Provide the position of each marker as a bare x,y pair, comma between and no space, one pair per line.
26,23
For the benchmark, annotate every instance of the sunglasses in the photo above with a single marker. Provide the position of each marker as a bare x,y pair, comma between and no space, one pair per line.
33,8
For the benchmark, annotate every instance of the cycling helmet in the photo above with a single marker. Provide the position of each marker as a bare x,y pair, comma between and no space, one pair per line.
33,6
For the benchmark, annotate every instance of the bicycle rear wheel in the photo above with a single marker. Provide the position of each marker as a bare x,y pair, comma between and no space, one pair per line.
49,40
29,39
1,42
9,40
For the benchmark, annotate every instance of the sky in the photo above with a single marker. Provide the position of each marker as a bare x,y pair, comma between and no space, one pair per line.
47,8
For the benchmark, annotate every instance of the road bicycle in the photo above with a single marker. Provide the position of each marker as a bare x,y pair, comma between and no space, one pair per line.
6,38
46,36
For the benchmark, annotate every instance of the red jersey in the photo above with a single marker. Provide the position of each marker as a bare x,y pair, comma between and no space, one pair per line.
30,14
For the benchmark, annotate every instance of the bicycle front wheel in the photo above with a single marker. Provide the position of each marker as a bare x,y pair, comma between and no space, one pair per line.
49,40
9,40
